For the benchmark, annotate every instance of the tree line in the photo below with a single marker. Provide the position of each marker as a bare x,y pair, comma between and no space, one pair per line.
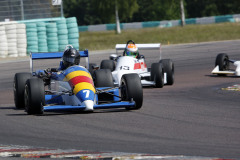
89,12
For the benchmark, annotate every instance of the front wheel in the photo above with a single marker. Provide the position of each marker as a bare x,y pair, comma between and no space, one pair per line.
157,75
222,61
34,96
18,88
107,64
131,88
168,67
103,78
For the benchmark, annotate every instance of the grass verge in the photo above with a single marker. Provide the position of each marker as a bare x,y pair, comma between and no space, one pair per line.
174,35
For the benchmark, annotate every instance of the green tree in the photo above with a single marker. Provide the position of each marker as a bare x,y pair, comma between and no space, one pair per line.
103,11
106,9
82,10
199,8
157,10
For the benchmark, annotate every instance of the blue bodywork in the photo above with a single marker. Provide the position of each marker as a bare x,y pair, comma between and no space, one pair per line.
56,101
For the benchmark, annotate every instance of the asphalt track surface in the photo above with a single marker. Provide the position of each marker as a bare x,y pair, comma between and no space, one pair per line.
194,117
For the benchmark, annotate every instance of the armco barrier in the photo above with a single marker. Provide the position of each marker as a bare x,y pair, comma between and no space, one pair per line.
170,23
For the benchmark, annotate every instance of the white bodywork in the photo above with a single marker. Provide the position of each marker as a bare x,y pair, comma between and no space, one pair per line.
232,72
128,64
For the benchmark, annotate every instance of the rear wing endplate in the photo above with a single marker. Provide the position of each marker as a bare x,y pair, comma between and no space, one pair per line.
54,55
147,46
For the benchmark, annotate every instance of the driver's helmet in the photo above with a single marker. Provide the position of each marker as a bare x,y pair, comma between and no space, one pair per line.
131,50
70,57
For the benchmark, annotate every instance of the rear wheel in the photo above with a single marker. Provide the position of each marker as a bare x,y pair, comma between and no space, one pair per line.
107,64
34,96
103,78
222,62
131,88
168,67
19,87
157,74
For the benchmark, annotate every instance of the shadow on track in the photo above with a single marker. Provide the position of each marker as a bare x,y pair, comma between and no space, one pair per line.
57,113
216,76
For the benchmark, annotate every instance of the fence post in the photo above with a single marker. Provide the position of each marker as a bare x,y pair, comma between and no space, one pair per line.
22,10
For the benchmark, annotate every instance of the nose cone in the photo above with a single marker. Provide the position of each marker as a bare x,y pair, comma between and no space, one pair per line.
88,104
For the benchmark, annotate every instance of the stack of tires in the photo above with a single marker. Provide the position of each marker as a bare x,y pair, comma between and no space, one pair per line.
11,33
21,39
42,37
52,37
73,33
32,38
3,42
62,34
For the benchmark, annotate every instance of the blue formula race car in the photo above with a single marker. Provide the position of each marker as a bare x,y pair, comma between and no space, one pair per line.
73,88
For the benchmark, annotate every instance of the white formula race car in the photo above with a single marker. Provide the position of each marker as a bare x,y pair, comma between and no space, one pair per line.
222,66
160,73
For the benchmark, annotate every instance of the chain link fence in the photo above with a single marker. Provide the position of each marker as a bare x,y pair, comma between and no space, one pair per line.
15,10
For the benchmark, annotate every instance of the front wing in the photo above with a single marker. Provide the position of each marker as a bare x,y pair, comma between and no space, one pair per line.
216,71
61,103
122,104
235,71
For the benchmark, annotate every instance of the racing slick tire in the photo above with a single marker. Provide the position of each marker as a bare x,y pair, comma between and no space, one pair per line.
131,88
103,78
107,64
222,61
168,67
34,96
19,87
157,75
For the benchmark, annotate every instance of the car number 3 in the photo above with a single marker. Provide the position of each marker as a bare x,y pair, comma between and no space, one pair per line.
124,68
87,93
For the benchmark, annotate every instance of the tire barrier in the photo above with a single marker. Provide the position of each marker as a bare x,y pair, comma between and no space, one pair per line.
73,33
11,33
32,37
52,38
3,42
21,39
42,37
38,35
62,34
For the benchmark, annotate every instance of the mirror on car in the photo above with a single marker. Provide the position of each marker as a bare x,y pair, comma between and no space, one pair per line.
113,57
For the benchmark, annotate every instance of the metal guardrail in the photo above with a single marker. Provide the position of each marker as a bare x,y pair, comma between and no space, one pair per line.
161,24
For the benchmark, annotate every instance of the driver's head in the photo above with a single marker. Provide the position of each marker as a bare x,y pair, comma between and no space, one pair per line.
131,50
70,57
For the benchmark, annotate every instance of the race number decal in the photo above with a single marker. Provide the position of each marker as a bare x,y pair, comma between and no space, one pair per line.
87,93
124,68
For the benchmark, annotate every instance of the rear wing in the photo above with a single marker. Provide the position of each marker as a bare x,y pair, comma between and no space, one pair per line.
54,55
147,46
